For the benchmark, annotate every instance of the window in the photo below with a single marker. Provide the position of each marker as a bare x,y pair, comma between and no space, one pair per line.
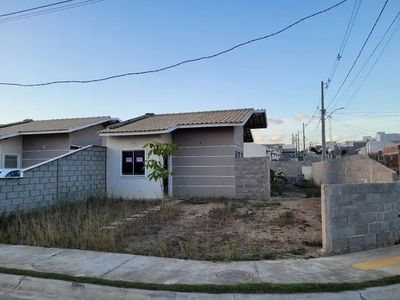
133,162
11,161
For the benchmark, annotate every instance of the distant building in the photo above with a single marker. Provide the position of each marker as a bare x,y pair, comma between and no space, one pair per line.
373,147
348,148
391,157
387,137
288,152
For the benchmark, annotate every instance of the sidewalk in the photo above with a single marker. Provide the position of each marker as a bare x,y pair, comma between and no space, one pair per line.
134,268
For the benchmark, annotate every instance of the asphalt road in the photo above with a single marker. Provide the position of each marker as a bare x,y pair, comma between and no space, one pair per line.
14,287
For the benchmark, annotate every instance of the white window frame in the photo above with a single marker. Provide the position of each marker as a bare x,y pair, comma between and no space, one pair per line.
120,163
12,154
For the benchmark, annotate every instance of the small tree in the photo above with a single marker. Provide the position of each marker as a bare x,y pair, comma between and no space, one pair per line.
161,151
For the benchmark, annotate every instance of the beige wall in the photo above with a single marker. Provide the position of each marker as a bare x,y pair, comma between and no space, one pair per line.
11,146
87,136
39,148
204,165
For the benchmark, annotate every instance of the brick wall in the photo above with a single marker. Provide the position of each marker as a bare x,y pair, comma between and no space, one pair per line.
358,217
72,175
351,169
252,177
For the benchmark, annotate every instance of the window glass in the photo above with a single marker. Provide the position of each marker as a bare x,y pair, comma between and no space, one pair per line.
133,162
10,161
127,163
139,162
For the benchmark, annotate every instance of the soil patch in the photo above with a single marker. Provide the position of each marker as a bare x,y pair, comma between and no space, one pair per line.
234,230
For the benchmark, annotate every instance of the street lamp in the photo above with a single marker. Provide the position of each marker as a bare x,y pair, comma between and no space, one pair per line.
323,119
333,112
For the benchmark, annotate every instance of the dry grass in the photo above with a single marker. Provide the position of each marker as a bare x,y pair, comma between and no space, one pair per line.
79,225
208,230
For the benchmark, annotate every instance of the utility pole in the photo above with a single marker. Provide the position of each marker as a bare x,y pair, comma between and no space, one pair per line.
304,138
298,140
323,122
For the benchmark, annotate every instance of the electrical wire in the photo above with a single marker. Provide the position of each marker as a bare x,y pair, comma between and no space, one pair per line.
177,64
394,32
345,39
34,8
50,10
359,54
352,127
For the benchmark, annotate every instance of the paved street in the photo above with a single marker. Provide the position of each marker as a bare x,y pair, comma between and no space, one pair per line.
14,287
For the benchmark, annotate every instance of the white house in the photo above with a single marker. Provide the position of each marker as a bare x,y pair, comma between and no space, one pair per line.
204,165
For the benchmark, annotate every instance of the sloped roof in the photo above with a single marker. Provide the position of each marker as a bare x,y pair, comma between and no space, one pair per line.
51,126
168,122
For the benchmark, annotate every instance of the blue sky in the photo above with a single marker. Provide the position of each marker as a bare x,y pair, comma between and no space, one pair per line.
281,74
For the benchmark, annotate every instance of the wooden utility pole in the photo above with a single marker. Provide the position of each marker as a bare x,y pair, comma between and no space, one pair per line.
304,138
323,122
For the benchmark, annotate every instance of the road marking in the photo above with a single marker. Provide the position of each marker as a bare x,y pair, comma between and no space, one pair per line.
371,264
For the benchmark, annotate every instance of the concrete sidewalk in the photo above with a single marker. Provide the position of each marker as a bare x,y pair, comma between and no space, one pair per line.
134,268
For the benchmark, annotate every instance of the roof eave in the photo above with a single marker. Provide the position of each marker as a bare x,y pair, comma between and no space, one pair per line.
170,129
14,134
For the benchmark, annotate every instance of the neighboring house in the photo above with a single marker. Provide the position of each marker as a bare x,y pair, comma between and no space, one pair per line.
204,165
387,137
391,157
348,148
373,147
27,143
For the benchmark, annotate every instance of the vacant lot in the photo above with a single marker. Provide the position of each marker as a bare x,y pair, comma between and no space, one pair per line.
195,229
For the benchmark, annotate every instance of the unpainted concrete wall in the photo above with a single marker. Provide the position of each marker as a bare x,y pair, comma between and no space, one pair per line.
72,175
252,177
351,169
289,168
358,217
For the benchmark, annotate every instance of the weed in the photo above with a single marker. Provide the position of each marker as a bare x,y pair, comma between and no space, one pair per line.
312,243
299,251
162,247
285,218
266,203
225,213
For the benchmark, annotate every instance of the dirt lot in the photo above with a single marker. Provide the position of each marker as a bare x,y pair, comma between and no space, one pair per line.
233,230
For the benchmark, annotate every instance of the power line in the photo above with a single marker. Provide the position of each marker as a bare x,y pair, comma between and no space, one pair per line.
34,8
180,63
345,39
395,30
351,113
359,54
50,10
352,127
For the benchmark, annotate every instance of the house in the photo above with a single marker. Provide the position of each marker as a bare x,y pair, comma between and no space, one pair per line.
348,148
387,137
27,143
391,157
204,164
372,147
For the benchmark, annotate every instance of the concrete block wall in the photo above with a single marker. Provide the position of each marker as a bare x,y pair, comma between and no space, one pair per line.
358,217
252,177
351,169
71,175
